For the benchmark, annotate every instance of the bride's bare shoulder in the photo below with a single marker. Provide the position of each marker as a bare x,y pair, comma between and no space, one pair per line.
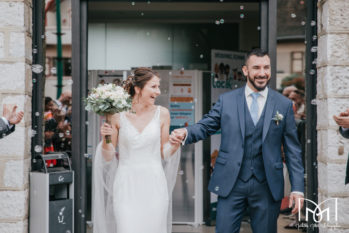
164,113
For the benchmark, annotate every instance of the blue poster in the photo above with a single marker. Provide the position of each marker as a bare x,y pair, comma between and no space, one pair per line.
182,114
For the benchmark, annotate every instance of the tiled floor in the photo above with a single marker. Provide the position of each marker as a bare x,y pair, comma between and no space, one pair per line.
245,227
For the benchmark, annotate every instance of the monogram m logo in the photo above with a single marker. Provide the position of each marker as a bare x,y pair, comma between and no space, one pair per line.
319,211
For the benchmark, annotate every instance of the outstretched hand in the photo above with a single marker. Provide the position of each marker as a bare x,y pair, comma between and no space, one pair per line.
9,112
178,135
343,119
345,114
297,200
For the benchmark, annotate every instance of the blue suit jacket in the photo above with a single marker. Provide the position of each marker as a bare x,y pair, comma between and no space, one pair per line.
228,114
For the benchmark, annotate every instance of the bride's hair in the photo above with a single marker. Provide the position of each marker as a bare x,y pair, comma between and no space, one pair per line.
139,78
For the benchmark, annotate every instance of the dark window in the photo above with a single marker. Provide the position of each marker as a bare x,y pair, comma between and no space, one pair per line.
66,66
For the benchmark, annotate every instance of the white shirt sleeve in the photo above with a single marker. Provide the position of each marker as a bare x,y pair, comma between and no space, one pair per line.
296,192
186,135
6,122
345,129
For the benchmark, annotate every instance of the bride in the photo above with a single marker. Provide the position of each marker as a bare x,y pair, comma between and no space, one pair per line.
132,192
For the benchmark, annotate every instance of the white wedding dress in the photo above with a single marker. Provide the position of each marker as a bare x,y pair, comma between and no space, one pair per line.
136,196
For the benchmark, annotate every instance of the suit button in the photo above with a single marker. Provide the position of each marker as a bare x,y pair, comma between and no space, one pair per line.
251,168
216,188
239,164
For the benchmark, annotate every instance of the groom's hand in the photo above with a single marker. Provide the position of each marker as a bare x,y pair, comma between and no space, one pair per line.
297,200
178,135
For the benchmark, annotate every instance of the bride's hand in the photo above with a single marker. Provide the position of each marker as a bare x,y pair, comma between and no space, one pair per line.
107,129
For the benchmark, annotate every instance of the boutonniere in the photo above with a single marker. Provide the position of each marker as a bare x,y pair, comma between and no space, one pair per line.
278,117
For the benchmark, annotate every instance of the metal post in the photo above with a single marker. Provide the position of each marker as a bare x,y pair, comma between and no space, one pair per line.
272,33
38,78
59,49
79,116
310,89
263,10
268,33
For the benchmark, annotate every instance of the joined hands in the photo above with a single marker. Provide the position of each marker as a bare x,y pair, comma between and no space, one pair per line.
178,135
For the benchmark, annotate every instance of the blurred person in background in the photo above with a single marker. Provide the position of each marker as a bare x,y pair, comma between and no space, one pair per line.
64,101
297,96
287,90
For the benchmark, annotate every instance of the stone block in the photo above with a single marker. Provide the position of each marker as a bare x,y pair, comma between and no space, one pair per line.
330,144
14,227
333,80
11,14
16,144
334,16
28,17
329,107
334,49
16,173
331,178
320,89
13,204
2,45
28,48
12,77
28,79
17,44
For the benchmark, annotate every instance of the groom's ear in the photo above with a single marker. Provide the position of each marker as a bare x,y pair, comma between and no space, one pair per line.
245,70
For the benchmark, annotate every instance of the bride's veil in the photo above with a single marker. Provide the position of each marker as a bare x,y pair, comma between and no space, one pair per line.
102,192
102,189
171,170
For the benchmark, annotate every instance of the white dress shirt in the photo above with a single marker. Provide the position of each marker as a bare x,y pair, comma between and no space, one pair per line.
261,100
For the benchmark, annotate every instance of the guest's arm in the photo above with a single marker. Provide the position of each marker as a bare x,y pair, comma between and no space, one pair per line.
5,128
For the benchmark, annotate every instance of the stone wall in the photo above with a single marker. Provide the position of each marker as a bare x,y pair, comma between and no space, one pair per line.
333,98
15,88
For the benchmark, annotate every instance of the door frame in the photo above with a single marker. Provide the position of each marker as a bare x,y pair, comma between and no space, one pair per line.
268,18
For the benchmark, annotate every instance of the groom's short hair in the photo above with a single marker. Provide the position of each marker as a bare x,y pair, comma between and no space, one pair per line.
256,52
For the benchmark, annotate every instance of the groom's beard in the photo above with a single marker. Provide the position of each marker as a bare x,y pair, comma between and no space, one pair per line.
252,81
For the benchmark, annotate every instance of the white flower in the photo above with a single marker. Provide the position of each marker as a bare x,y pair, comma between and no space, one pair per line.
108,98
278,117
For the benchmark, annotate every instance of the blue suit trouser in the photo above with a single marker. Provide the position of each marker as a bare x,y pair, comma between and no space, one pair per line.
256,196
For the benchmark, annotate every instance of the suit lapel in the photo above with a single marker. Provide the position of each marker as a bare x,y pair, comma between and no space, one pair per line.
241,110
269,105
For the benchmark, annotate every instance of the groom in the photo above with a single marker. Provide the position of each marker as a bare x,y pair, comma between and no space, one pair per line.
255,122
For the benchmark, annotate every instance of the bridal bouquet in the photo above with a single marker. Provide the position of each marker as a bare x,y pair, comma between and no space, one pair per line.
108,99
